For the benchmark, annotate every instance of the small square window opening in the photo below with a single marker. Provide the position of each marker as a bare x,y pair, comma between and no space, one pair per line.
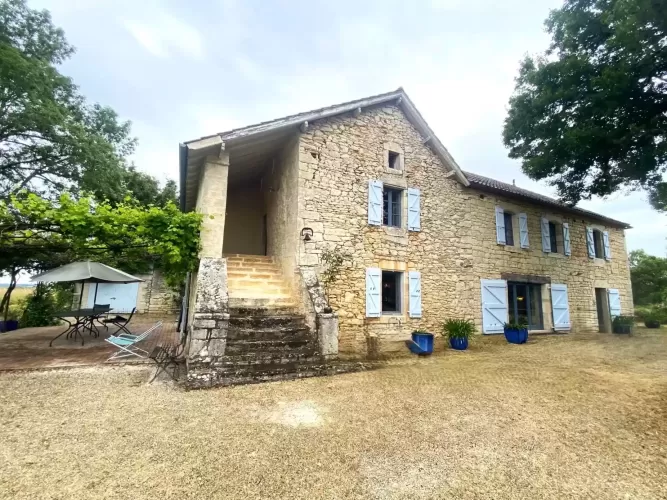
392,207
394,160
509,230
391,291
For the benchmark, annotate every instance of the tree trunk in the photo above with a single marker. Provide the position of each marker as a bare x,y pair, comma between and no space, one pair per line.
4,303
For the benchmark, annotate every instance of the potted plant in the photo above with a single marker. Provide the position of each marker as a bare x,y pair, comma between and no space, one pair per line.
622,324
651,321
422,343
12,322
516,333
458,331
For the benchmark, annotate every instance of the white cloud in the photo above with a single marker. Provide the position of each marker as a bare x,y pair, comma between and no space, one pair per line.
165,35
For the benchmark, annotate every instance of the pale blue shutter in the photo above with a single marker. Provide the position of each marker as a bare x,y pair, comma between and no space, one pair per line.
415,291
414,212
500,225
607,246
567,250
375,203
523,230
560,307
373,292
614,302
590,242
494,305
546,241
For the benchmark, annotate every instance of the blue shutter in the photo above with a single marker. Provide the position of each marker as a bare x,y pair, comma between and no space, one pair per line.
494,305
523,231
500,226
415,291
375,203
560,307
567,250
414,212
614,302
546,240
590,242
607,246
373,292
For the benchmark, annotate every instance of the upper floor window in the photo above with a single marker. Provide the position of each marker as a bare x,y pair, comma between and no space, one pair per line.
598,244
553,236
391,199
394,160
509,229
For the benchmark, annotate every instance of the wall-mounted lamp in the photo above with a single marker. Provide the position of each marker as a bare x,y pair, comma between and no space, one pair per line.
307,234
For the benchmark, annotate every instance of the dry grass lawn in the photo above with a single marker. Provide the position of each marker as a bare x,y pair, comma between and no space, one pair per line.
580,416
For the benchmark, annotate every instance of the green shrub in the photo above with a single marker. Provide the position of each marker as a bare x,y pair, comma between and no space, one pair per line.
458,328
623,320
515,326
653,312
40,307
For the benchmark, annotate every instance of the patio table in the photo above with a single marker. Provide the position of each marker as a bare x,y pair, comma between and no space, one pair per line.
83,320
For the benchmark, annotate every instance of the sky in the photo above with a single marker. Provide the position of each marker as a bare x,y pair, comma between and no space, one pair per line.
181,70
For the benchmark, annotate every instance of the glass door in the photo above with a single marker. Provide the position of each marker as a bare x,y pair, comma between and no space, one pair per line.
525,304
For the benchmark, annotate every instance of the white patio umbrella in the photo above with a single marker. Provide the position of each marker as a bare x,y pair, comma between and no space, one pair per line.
85,272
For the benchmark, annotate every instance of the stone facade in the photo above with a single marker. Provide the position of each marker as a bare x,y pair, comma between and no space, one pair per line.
456,246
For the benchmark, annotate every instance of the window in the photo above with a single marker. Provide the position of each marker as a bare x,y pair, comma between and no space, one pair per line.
553,237
394,160
391,291
509,229
392,207
598,244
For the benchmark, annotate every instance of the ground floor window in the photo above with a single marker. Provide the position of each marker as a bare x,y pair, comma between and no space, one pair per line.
391,291
525,304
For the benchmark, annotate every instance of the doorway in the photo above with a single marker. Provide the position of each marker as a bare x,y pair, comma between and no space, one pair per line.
602,306
525,304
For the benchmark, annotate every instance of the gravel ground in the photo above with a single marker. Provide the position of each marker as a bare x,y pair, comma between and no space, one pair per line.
560,417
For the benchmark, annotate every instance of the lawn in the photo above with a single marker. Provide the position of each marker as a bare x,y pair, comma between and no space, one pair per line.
579,416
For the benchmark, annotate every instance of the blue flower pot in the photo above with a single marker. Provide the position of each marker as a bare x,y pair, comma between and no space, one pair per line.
516,336
460,344
9,325
424,341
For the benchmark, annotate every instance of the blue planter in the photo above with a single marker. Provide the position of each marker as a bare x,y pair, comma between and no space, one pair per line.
9,325
424,341
516,336
460,344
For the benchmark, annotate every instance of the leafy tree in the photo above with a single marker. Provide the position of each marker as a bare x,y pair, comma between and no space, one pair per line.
50,139
649,278
38,234
590,115
146,190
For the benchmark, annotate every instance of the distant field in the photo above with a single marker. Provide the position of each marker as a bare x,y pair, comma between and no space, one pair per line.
17,294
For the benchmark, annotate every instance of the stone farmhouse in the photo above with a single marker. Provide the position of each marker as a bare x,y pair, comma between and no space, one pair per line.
422,241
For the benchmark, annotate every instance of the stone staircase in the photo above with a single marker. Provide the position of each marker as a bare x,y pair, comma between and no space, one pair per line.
268,338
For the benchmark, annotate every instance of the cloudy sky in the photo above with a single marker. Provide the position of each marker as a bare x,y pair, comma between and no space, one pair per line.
180,70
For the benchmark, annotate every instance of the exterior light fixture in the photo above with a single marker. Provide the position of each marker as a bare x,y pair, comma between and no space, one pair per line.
307,234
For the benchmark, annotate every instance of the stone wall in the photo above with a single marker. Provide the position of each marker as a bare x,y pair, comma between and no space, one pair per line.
454,249
280,195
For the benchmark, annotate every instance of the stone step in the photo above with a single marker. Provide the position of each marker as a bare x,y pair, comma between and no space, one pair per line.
261,302
232,275
266,321
261,348
249,281
239,361
286,333
249,258
249,264
262,311
259,291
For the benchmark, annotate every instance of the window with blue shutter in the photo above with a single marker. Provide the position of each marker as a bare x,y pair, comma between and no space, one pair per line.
590,242
414,211
375,203
494,305
415,292
606,245
567,250
373,292
560,307
546,235
523,231
614,302
500,225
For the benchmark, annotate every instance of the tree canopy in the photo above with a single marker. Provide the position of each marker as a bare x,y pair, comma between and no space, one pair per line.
38,234
51,139
649,278
590,115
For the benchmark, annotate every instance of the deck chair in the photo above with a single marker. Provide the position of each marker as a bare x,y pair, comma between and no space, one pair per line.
121,322
127,343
